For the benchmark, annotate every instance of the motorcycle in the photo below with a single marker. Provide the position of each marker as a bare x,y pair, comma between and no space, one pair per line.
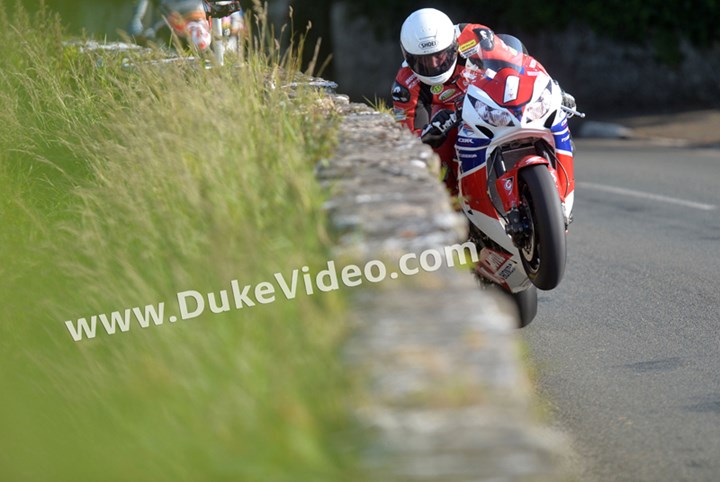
516,175
184,23
216,25
227,27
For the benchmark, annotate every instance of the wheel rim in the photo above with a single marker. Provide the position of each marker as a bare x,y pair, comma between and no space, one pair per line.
542,250
529,251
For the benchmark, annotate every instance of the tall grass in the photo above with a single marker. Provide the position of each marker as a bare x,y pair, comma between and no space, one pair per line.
121,187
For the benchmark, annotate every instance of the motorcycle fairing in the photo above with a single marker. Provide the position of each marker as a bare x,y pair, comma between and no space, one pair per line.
502,268
470,152
508,89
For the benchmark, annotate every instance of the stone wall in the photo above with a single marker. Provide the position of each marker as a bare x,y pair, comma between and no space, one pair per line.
449,398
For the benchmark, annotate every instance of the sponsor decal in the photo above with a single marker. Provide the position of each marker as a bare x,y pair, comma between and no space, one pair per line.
412,81
446,95
467,46
435,89
428,44
399,114
507,271
508,184
473,52
465,140
512,86
494,260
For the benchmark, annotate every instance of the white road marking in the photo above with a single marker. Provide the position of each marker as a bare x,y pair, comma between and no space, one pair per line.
646,195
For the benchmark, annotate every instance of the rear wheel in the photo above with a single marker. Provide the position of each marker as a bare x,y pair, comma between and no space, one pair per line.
526,302
544,249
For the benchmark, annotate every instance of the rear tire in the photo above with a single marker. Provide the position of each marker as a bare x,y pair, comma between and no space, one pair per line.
543,255
526,302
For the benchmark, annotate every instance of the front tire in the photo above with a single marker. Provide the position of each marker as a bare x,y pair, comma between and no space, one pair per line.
544,251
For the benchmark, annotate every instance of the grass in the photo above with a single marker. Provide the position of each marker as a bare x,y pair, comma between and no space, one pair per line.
121,187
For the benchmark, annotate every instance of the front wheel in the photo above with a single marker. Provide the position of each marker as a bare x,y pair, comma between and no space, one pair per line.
544,248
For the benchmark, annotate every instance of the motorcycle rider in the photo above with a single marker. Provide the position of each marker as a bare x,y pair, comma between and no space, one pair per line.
430,85
185,17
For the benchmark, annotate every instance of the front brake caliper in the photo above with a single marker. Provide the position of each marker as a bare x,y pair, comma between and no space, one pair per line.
516,227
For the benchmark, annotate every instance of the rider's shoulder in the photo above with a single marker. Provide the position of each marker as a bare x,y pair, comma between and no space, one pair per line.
470,29
471,37
406,77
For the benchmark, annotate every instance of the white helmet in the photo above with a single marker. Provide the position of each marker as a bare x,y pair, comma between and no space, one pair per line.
429,45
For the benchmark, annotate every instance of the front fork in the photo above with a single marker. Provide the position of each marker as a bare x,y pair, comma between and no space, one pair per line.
218,45
518,225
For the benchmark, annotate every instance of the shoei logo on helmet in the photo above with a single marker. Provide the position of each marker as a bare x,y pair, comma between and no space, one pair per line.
428,44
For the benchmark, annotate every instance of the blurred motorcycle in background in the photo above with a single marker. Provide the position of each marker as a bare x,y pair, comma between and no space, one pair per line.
226,18
198,24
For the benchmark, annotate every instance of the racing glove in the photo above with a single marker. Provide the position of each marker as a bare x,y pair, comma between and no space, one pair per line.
568,101
435,133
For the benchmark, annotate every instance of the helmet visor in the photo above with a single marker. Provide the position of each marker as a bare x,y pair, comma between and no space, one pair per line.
431,65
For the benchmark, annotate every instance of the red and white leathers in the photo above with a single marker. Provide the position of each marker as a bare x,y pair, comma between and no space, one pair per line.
415,103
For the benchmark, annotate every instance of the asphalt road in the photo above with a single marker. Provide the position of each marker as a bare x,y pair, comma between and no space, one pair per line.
627,348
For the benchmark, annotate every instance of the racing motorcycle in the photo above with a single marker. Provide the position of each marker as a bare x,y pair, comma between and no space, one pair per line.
217,26
226,18
516,176
186,25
